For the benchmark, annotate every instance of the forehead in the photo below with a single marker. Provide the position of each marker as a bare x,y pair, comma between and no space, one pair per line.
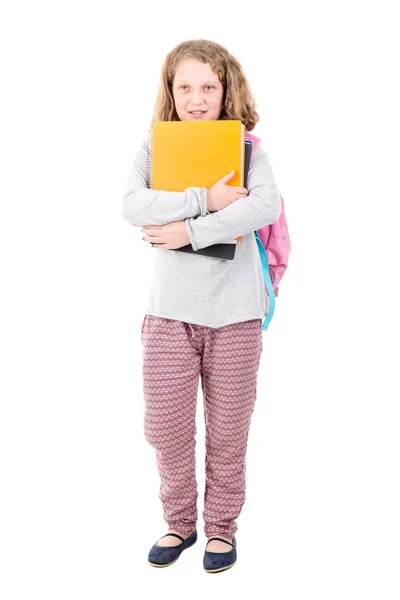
195,70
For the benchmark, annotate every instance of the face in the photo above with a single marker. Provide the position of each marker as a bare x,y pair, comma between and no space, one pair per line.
197,87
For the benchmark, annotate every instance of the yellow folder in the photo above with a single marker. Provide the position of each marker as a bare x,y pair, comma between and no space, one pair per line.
196,153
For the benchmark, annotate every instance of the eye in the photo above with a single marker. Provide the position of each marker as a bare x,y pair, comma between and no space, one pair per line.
185,86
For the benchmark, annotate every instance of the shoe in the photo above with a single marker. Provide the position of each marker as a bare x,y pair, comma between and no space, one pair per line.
163,556
213,562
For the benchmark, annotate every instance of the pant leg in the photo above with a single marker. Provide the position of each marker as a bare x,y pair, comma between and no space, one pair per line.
229,381
171,371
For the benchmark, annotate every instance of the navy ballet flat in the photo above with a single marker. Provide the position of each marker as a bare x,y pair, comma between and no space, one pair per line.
214,562
163,556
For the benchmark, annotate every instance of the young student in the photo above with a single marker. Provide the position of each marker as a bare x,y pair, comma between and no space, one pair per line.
204,314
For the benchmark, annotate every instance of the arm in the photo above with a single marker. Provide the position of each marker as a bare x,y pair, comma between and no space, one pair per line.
260,208
144,206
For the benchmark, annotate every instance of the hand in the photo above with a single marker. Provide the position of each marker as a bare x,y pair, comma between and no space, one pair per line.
221,195
167,237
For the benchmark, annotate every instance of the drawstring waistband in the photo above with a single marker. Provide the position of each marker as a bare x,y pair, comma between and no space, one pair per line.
191,329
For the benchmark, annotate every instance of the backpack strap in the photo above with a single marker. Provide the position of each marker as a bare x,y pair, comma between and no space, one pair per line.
254,142
267,281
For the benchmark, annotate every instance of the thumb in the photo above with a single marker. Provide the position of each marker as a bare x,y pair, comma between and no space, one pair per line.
226,178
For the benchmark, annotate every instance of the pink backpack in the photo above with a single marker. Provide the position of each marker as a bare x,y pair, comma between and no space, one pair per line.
274,247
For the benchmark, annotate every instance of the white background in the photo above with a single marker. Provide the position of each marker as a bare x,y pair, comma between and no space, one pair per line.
79,502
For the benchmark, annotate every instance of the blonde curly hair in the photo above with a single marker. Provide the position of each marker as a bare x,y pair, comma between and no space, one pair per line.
238,101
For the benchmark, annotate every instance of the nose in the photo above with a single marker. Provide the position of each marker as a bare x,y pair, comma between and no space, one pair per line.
197,97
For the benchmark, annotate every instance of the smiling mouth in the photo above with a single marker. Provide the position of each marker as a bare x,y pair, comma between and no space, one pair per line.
197,112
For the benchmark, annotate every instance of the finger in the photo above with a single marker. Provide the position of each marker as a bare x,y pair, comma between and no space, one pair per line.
149,228
227,177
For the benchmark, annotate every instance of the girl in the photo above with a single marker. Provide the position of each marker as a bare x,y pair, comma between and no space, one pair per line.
204,314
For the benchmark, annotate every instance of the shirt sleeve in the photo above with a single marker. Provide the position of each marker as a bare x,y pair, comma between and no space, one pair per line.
261,207
144,206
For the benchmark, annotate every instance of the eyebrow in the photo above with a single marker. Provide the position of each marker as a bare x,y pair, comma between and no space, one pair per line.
209,81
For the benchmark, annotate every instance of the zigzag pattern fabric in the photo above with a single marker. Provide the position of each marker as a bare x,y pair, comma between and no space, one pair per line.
175,355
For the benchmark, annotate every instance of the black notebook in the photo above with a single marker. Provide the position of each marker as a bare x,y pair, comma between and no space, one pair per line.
226,250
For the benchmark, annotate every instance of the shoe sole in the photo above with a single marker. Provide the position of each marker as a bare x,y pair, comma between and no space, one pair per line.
166,564
221,569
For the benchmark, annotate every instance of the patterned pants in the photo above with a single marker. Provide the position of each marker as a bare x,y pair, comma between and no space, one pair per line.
175,354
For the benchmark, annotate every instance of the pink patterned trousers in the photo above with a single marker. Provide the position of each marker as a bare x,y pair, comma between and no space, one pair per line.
175,354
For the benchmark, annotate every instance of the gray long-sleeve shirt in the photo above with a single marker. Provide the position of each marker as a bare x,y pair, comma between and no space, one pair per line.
200,289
